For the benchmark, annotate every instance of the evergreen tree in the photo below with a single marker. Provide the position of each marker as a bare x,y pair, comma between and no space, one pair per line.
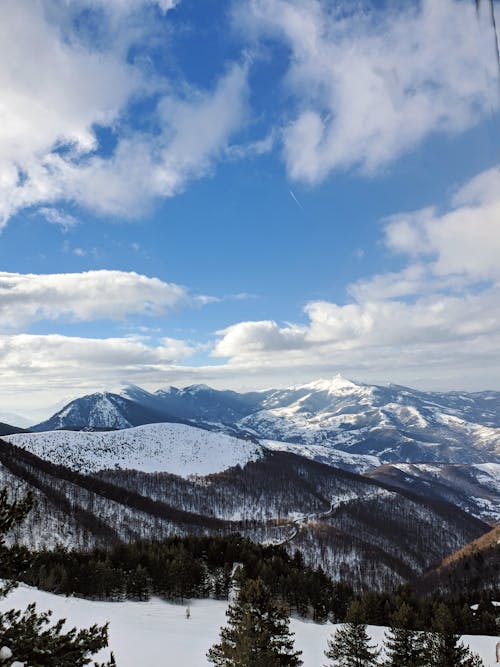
28,637
404,645
257,633
443,647
350,646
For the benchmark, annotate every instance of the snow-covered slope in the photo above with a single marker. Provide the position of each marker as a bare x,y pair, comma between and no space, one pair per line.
175,448
148,633
324,454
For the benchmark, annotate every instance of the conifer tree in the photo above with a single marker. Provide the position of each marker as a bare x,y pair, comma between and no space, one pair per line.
350,646
404,645
29,638
443,647
257,633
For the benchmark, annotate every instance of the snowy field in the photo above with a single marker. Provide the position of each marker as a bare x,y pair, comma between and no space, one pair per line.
157,633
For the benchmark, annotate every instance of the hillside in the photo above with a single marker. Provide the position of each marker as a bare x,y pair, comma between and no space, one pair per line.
473,568
356,528
475,488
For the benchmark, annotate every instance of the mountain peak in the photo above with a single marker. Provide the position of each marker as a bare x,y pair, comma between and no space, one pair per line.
331,385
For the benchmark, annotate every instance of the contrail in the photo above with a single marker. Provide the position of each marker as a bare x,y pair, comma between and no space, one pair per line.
295,199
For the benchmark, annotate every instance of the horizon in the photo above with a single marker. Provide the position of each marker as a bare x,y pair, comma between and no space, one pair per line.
247,194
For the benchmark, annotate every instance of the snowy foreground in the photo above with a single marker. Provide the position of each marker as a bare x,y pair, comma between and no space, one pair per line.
157,633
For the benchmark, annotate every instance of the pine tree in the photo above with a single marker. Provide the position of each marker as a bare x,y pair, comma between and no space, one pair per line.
350,645
28,637
443,647
257,633
404,646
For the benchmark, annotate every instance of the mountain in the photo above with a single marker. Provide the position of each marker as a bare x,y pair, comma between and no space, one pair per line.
195,481
392,423
389,423
102,410
475,487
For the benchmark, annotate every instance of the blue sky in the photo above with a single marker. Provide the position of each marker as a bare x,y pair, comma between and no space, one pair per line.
247,193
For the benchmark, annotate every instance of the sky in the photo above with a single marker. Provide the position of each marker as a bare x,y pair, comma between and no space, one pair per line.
247,194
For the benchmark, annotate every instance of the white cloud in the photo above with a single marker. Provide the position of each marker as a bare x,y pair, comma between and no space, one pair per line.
464,240
57,88
27,298
370,86
53,361
57,217
249,338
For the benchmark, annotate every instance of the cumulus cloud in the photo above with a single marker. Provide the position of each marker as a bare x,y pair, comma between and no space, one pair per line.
464,240
249,338
58,87
27,298
371,85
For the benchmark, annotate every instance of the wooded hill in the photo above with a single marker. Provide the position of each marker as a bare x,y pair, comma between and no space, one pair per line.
358,530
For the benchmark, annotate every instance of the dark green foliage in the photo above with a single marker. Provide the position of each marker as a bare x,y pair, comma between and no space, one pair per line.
443,646
30,636
350,646
257,632
404,645
11,514
188,567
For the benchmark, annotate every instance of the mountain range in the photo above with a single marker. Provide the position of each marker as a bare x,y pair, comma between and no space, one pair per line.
320,420
377,484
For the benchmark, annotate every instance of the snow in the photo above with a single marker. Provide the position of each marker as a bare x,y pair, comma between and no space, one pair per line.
359,463
174,448
332,386
158,633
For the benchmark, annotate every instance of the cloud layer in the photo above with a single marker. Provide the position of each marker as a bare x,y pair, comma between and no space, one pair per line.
27,298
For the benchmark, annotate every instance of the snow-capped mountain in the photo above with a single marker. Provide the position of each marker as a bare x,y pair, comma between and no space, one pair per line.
174,448
391,423
102,410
